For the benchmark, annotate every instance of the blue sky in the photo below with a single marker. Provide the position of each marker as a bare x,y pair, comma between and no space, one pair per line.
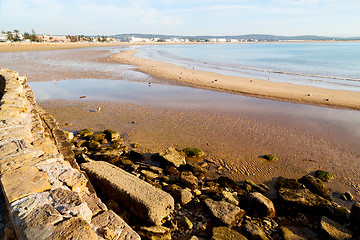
339,18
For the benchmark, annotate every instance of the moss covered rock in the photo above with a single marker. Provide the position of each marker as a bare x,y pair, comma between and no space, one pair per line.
94,145
323,175
316,186
85,133
193,152
112,135
270,157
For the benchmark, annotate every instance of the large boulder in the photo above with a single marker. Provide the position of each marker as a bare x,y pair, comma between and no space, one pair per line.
142,199
225,212
304,200
316,186
263,206
335,230
288,183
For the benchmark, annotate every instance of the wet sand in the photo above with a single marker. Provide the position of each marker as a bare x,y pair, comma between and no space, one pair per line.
249,86
236,137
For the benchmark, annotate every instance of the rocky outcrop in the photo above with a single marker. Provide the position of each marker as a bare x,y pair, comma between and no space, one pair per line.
45,193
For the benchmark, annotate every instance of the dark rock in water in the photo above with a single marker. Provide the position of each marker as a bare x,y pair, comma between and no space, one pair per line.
225,212
155,233
263,206
172,157
94,145
288,183
334,229
227,182
323,175
136,156
253,231
225,233
304,200
316,186
85,133
355,215
189,180
184,196
112,135
193,152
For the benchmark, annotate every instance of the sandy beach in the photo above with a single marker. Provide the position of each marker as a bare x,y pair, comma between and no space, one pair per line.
248,86
237,138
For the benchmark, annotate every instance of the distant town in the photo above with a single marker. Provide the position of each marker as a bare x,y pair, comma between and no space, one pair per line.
16,36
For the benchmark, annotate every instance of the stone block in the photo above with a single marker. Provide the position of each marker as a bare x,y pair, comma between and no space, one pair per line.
45,145
144,200
111,226
23,182
22,207
73,228
74,179
94,203
70,204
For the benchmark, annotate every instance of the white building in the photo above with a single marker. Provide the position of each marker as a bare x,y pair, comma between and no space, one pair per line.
3,37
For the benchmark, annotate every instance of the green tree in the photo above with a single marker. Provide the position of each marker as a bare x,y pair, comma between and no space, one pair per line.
16,37
33,37
9,36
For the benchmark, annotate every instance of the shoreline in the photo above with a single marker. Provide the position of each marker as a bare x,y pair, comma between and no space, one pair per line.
242,85
35,46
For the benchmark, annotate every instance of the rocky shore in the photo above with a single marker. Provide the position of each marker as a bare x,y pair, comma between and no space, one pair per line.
194,204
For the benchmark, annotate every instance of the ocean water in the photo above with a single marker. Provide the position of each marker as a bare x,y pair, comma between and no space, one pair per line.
333,65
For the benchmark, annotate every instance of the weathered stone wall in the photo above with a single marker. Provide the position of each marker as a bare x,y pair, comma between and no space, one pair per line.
46,194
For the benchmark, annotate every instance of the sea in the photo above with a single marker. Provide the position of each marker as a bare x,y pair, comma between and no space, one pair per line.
332,65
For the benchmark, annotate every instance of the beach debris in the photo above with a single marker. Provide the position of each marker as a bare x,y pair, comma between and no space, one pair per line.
149,84
55,82
82,96
309,94
98,109
251,80
327,99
